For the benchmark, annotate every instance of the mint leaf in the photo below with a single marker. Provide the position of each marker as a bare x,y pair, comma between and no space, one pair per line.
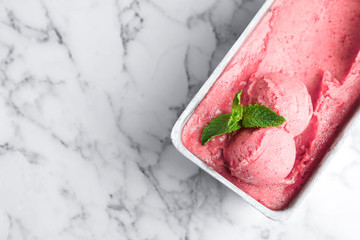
218,126
237,107
237,111
261,116
234,119
225,123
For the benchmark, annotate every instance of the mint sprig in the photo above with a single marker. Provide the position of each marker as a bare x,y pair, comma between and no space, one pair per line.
240,116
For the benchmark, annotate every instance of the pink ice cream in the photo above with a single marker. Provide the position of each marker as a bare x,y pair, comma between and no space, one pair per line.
287,98
267,156
261,156
309,47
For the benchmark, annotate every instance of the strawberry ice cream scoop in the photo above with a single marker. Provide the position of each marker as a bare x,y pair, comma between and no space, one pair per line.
263,156
287,97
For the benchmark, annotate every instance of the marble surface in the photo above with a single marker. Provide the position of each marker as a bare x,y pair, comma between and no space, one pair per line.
89,92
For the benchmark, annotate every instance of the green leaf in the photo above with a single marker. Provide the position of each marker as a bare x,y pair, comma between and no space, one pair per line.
261,116
218,126
237,107
237,112
235,117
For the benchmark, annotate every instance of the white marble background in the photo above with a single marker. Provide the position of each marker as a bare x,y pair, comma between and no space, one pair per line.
89,92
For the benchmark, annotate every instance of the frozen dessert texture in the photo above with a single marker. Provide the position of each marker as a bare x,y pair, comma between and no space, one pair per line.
261,156
311,49
286,97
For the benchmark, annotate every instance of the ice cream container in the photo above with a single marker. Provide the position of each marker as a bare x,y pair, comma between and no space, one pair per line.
278,215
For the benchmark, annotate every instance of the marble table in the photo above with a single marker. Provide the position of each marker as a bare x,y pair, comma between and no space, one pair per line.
89,92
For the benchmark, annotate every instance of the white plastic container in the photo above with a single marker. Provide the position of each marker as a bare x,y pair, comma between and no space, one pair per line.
279,215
